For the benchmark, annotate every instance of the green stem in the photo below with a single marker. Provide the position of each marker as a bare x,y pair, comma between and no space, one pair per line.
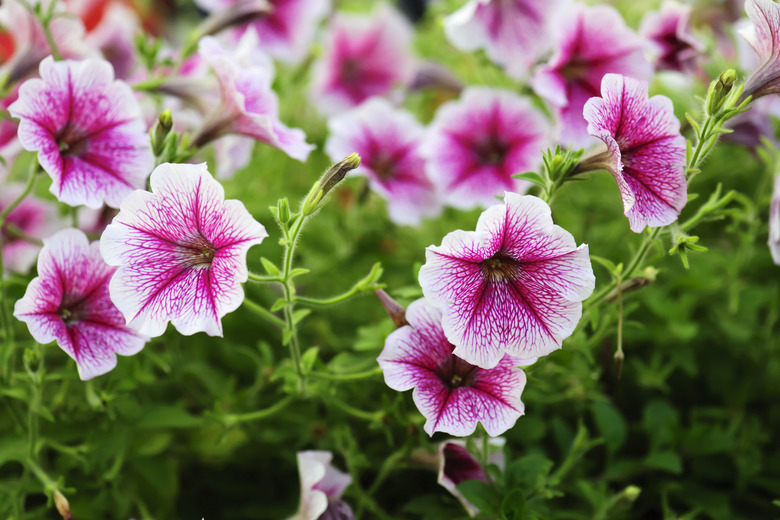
263,279
348,377
289,298
355,412
45,20
49,485
265,313
329,301
232,419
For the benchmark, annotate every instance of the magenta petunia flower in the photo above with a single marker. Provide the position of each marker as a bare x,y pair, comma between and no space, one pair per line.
457,464
475,144
591,42
774,223
88,132
321,488
764,37
387,140
181,252
452,394
365,56
69,303
645,151
513,33
669,30
32,217
515,285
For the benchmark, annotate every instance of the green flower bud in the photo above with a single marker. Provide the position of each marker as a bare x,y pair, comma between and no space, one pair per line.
719,90
317,197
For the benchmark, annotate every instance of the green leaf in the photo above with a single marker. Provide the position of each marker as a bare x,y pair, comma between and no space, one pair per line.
480,494
278,304
299,315
309,358
164,416
12,448
610,424
286,337
270,268
298,271
667,461
531,177
528,472
607,264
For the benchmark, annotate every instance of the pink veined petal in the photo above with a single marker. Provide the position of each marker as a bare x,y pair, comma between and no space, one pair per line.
774,223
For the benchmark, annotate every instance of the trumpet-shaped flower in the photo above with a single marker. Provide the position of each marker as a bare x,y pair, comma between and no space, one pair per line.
387,141
514,33
321,488
669,31
452,394
592,41
88,131
514,286
457,464
475,144
645,151
181,252
69,303
33,218
764,37
365,56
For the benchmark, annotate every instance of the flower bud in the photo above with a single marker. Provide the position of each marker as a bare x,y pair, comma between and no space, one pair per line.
160,131
335,174
62,505
394,309
719,90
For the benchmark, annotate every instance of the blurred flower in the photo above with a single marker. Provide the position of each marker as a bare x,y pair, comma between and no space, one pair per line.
87,129
514,33
457,464
452,394
764,37
321,488
32,217
515,285
365,56
669,30
645,151
774,223
181,252
387,140
591,41
475,144
113,37
288,30
68,302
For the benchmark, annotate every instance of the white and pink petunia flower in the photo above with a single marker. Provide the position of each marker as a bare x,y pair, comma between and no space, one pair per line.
289,28
321,488
514,286
764,37
645,150
513,33
774,223
68,302
181,252
475,144
33,218
387,140
452,394
457,464
365,56
88,131
669,31
591,42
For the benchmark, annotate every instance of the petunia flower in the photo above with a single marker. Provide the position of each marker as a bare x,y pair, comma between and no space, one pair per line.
513,33
387,140
591,42
669,31
33,218
88,131
68,302
452,394
181,252
321,488
774,223
365,56
457,464
764,37
645,151
514,286
475,144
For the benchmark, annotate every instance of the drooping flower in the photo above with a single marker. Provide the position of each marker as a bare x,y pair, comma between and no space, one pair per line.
457,464
645,151
514,286
33,218
774,223
475,144
88,131
669,30
69,303
387,140
591,42
764,37
181,252
321,488
513,33
452,394
365,56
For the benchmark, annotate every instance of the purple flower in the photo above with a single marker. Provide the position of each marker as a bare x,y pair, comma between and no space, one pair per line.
69,303
457,464
514,33
321,488
452,394
475,144
387,141
88,132
592,41
181,252
32,217
515,285
645,151
774,223
764,37
364,56
675,46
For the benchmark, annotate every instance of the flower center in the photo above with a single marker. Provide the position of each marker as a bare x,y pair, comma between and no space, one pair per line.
384,167
350,70
500,266
71,141
72,312
456,373
491,151
199,251
577,68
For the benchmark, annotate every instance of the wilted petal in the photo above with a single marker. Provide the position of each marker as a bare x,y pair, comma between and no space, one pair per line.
764,37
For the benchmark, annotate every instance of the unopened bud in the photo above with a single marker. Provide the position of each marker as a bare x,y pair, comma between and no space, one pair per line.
62,505
719,90
630,493
394,309
160,132
317,197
